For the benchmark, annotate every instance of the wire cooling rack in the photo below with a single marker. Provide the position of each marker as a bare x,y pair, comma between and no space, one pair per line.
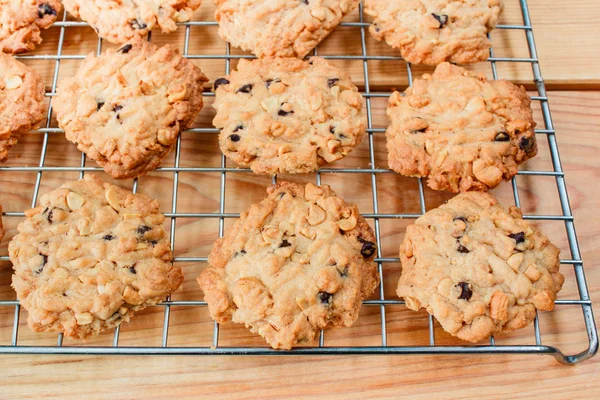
376,216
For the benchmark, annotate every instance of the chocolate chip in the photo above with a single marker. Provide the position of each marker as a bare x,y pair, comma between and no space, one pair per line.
50,216
332,81
285,243
99,105
117,108
441,18
234,138
219,82
153,242
502,137
283,113
108,238
238,253
245,89
132,269
45,257
332,130
526,144
305,1
462,249
269,82
45,9
518,237
368,248
237,128
325,298
135,24
125,49
465,292
143,229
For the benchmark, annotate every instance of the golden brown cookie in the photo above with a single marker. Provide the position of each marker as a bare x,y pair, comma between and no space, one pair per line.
89,257
478,269
284,115
124,21
433,31
298,262
459,130
280,28
21,22
126,108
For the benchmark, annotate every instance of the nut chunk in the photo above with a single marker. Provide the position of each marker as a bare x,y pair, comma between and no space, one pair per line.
84,264
477,268
298,262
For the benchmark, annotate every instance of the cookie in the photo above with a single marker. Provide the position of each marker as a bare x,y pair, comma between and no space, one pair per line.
478,269
123,21
285,115
433,31
126,108
21,22
89,257
298,262
275,28
459,130
21,101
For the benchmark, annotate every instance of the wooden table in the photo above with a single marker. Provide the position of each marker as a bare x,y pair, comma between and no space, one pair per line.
568,37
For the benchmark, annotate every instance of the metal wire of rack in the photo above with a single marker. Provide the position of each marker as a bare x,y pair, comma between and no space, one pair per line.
557,173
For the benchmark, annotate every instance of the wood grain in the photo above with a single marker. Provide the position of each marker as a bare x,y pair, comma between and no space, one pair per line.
577,120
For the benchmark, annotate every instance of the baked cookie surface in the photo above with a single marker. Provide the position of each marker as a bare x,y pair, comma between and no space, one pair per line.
282,28
433,31
125,20
477,268
285,115
126,108
21,22
460,130
21,101
89,257
298,262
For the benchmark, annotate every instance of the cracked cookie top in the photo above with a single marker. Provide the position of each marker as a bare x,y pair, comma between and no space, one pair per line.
90,256
284,115
477,268
459,130
298,262
126,108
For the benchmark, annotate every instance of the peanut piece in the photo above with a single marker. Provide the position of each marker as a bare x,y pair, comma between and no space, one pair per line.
499,306
75,201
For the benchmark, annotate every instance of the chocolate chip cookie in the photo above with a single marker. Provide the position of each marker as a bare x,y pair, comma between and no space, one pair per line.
434,31
89,257
460,130
123,21
279,28
21,101
477,268
126,108
285,115
21,22
298,262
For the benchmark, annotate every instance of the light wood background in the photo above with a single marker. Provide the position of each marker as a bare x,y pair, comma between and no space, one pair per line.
568,37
